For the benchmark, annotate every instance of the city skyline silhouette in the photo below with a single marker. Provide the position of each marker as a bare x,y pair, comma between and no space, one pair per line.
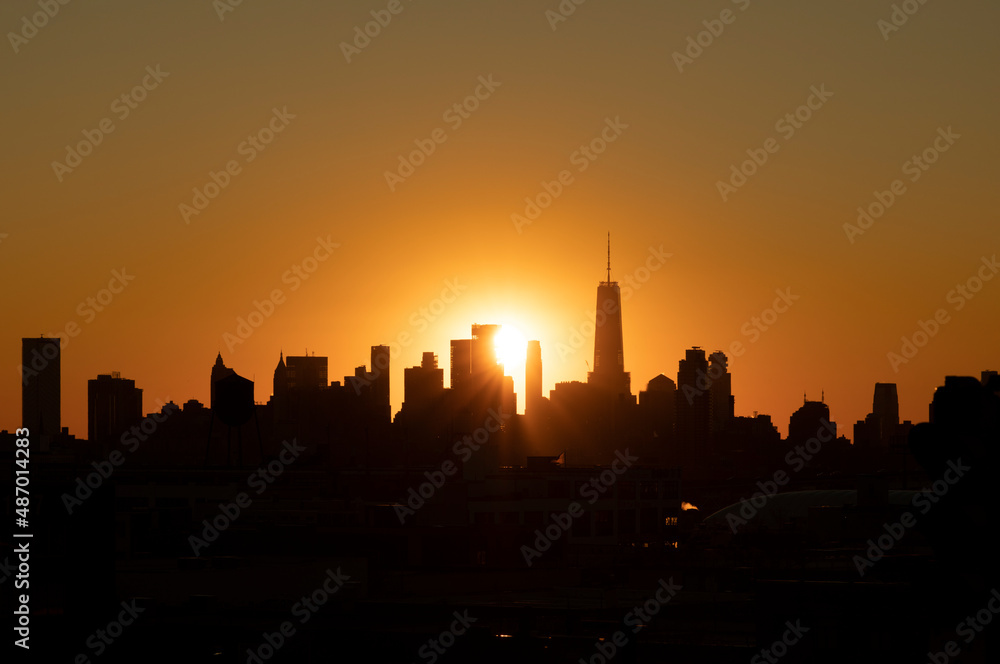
575,344
572,331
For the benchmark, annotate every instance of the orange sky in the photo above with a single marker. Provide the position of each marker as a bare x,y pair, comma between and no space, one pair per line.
552,91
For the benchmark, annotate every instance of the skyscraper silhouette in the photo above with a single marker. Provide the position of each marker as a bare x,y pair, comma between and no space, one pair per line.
484,352
219,371
113,405
533,377
487,376
423,385
279,389
881,429
40,387
609,353
658,408
380,382
307,371
812,416
460,363
694,407
885,406
723,402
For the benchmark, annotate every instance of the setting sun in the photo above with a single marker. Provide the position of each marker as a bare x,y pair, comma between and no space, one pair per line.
511,346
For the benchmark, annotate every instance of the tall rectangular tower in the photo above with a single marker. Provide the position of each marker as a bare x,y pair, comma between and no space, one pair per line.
484,352
113,405
533,377
694,407
40,386
885,406
380,382
721,387
461,362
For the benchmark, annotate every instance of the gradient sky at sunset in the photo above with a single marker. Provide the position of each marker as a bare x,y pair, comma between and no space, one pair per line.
654,186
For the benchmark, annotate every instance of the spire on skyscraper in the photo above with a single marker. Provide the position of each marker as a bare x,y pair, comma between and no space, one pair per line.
609,357
609,257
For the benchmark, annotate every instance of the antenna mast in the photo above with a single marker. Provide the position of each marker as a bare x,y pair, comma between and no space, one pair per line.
609,257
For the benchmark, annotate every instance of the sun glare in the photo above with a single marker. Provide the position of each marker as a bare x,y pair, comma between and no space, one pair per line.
511,346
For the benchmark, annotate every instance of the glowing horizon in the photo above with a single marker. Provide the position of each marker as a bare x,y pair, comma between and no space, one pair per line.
871,205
